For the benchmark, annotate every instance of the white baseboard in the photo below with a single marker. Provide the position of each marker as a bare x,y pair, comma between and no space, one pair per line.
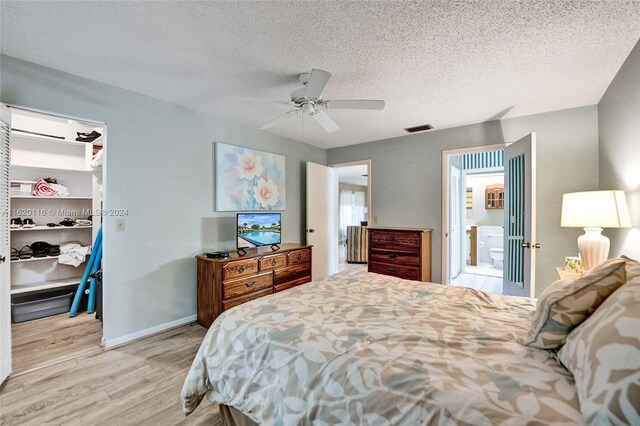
127,338
5,369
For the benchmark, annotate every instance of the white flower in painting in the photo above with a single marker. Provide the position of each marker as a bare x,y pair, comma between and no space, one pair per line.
266,193
248,165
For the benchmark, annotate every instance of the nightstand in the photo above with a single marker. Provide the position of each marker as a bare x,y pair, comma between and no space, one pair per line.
567,273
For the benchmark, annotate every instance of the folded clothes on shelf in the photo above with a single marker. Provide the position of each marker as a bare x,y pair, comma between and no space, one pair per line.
46,189
73,253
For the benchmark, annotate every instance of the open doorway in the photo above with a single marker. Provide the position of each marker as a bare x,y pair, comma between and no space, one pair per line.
504,178
476,220
354,210
55,198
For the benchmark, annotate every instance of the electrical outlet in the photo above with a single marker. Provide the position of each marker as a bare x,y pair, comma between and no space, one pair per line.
119,225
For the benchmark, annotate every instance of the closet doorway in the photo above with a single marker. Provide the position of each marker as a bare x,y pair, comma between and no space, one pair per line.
55,203
354,212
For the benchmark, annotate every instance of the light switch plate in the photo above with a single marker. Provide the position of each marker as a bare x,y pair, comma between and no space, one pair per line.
119,225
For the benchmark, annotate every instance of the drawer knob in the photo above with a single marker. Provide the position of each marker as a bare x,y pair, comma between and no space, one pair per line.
393,255
294,272
299,256
241,269
250,284
393,270
273,262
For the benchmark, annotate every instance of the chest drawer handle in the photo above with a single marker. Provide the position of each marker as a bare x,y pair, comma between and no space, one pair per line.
250,284
241,269
393,255
393,270
294,272
299,257
273,262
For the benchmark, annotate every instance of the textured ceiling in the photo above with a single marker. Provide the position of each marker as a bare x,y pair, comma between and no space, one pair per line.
441,62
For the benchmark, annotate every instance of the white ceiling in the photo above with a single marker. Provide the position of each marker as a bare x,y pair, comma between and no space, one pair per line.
353,175
440,62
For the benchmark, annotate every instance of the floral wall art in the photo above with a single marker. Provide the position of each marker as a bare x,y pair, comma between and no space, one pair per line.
248,179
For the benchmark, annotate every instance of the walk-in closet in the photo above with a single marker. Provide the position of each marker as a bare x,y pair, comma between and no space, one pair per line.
55,215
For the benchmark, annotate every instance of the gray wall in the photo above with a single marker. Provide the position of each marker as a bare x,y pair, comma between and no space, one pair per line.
160,168
407,178
619,131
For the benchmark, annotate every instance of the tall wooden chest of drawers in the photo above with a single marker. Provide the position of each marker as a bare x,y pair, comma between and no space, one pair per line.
400,252
225,283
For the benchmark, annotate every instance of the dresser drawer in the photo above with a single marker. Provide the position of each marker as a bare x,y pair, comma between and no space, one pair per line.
404,272
298,256
247,298
242,286
292,273
289,284
239,268
395,257
408,240
274,261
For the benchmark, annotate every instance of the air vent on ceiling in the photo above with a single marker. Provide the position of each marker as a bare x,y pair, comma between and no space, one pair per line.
418,128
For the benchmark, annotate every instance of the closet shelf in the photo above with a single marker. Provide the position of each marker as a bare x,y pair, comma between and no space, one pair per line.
45,285
31,197
52,169
34,259
48,228
47,139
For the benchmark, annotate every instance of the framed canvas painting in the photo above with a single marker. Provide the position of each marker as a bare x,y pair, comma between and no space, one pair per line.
248,179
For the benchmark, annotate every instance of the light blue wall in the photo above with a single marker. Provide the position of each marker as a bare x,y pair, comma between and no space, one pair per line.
160,168
619,130
406,175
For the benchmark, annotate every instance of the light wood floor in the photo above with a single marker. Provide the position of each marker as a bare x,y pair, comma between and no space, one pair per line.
138,383
53,339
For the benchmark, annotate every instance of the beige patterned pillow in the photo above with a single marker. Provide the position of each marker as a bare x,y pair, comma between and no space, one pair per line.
603,354
566,303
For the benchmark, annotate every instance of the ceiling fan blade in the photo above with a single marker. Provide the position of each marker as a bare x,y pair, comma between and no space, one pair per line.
325,121
275,120
316,84
354,104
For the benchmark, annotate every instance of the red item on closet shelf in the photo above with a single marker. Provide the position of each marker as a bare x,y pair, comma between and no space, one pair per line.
42,189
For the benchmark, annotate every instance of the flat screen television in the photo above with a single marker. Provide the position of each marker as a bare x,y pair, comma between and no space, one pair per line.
258,229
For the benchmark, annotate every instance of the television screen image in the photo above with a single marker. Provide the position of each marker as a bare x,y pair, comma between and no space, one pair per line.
258,229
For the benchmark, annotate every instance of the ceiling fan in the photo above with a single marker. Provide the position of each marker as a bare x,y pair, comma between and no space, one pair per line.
307,101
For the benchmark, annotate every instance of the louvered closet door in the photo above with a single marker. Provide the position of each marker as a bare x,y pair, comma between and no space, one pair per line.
5,273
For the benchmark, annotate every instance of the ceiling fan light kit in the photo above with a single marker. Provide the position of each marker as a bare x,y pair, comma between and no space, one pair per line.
307,101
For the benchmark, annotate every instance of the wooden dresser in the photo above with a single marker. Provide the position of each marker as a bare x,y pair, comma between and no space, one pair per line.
400,252
232,281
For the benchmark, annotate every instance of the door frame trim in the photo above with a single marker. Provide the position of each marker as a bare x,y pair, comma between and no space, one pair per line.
444,237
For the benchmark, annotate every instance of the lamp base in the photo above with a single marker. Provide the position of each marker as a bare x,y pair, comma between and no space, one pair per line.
593,246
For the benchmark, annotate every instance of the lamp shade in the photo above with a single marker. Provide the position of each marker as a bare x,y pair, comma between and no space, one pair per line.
604,209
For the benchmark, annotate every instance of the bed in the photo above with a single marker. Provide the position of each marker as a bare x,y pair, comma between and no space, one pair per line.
362,348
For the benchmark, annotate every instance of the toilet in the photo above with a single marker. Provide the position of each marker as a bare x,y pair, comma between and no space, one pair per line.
496,252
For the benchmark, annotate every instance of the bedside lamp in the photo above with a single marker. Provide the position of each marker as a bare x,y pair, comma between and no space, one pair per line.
594,210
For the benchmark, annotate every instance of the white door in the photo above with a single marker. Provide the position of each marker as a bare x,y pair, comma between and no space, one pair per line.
5,255
520,217
455,220
322,214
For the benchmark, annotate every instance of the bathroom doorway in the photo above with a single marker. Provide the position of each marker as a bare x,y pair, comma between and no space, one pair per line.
475,220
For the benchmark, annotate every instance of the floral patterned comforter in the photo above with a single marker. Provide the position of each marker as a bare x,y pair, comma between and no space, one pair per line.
362,348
